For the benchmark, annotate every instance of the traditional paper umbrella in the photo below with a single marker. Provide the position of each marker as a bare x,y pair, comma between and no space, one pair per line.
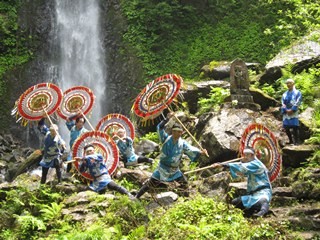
103,144
266,146
76,99
37,100
157,96
114,121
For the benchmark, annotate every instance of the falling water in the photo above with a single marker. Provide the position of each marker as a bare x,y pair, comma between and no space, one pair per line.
81,57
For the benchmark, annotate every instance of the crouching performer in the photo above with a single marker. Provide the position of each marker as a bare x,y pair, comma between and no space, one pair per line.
125,146
259,190
173,148
94,164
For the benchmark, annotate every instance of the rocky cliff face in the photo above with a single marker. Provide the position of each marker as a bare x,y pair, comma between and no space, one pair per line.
124,71
35,19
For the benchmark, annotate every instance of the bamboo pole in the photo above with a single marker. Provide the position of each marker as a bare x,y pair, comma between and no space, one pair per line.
211,166
51,123
184,127
84,116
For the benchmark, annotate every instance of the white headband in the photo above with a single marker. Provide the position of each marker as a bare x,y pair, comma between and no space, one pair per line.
247,150
290,80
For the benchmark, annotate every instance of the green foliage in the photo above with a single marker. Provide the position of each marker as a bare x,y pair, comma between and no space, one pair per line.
152,136
29,224
127,184
13,52
51,213
130,215
172,37
268,89
204,218
25,206
314,160
96,231
216,97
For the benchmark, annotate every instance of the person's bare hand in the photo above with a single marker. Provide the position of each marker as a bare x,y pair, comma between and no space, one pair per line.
289,112
170,115
216,165
204,152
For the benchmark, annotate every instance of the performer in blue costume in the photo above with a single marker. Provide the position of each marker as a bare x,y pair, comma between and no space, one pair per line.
170,157
54,146
94,164
125,146
259,190
291,101
75,124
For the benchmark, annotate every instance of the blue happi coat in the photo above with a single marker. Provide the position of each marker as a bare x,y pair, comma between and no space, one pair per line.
125,147
98,170
170,157
74,132
258,184
53,148
291,100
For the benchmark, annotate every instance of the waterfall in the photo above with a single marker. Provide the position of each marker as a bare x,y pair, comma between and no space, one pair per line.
81,54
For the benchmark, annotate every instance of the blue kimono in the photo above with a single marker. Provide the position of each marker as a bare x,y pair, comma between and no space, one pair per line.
53,149
126,150
258,184
170,157
74,132
291,100
97,169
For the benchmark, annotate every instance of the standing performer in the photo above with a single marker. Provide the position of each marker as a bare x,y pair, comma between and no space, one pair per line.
291,101
259,190
125,146
76,127
54,146
94,164
170,157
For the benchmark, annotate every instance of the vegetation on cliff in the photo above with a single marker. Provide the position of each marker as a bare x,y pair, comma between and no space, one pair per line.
172,37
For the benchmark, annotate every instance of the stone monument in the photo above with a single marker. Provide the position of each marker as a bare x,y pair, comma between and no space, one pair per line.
239,86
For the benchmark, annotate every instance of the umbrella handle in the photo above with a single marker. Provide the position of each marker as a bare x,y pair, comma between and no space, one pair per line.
211,166
51,123
188,132
84,116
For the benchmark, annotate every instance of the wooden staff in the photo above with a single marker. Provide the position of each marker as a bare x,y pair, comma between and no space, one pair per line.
74,160
211,166
187,131
84,116
51,123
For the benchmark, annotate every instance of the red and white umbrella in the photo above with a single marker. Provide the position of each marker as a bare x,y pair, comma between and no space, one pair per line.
37,100
157,96
76,99
103,144
114,121
266,146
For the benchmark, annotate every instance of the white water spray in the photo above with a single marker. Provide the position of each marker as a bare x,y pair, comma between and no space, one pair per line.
81,51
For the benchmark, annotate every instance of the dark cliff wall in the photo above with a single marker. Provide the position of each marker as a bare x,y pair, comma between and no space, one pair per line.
124,73
35,21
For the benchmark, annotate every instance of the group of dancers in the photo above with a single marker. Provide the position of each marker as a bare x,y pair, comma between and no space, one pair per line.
172,150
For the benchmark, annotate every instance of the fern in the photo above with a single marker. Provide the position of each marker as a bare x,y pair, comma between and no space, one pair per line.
216,97
52,212
28,225
152,136
137,234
